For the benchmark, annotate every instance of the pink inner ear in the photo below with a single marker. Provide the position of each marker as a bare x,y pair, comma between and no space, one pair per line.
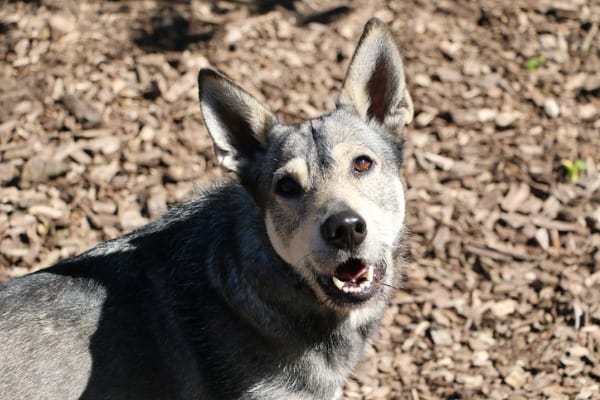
377,88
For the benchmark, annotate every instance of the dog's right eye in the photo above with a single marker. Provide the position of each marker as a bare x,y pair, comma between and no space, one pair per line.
288,187
362,164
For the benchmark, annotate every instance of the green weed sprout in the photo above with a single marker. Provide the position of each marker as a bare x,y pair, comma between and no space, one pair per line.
573,169
534,63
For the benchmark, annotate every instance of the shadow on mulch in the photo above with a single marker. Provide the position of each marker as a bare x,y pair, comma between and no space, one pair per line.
3,28
263,6
324,17
170,31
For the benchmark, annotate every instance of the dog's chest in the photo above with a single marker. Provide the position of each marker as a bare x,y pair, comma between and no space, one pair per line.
279,389
314,377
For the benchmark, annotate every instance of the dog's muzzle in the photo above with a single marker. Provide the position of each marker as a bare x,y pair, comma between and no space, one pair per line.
355,280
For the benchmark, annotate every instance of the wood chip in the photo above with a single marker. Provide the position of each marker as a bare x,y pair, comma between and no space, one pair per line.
516,195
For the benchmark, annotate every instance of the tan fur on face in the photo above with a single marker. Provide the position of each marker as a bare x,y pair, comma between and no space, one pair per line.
297,169
298,247
306,242
295,250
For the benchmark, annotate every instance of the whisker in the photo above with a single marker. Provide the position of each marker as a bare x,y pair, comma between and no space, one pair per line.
392,286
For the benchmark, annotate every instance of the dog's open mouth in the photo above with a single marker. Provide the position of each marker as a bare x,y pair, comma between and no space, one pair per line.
354,281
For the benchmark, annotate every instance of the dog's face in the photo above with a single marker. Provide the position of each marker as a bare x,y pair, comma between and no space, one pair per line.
330,187
334,205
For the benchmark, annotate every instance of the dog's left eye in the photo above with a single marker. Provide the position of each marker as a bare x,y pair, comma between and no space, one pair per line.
288,187
362,164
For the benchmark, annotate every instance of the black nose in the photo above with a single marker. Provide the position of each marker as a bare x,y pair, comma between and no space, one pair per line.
345,230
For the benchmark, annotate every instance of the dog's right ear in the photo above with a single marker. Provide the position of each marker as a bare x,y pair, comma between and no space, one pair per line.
236,121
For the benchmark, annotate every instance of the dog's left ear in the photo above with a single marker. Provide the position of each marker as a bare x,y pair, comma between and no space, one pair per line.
237,123
374,85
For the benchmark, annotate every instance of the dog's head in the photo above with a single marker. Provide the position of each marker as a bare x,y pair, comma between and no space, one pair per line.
330,187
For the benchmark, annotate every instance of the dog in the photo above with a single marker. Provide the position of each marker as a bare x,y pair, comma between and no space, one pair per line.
267,285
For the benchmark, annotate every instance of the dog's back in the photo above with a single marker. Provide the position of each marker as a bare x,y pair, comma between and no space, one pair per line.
266,287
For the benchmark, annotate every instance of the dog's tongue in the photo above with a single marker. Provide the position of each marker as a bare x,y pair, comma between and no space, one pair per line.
350,271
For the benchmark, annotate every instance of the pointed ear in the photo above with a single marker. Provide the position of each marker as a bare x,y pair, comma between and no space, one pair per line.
374,85
236,121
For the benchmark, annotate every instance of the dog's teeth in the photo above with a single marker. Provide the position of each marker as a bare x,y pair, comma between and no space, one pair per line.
338,283
355,287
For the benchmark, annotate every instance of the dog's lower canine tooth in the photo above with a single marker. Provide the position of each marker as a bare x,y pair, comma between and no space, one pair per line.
370,273
338,283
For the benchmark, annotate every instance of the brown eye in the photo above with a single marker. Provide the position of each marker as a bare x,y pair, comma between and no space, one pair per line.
362,164
288,187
